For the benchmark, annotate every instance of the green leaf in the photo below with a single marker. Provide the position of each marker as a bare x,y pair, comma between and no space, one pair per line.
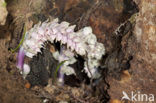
24,33
58,67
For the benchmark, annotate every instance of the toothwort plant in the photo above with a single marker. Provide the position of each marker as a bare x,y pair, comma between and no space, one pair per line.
82,42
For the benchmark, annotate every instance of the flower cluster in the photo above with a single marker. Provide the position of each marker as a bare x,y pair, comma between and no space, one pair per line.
82,42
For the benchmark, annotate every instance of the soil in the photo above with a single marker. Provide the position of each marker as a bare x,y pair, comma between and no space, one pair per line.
110,20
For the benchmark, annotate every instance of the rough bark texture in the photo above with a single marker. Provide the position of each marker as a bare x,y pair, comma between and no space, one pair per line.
142,45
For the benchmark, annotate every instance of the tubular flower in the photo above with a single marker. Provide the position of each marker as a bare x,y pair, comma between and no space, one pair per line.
20,58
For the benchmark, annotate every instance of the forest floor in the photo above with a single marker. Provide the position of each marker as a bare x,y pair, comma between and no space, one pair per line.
104,16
